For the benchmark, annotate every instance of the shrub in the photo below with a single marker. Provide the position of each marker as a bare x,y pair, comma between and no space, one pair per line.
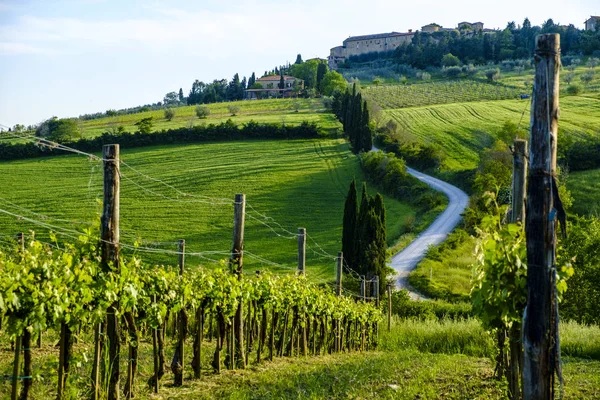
202,112
450,60
492,74
451,72
233,109
574,89
169,114
587,77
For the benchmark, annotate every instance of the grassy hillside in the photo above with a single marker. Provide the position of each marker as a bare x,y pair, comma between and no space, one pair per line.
292,183
585,189
286,111
463,130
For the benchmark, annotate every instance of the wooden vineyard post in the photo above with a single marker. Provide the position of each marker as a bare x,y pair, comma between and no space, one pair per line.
237,267
109,231
540,322
178,358
155,352
519,179
16,369
376,290
301,251
517,215
363,293
389,310
338,273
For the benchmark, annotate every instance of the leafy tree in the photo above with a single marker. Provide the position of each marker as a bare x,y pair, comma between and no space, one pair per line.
349,227
202,112
574,90
59,130
234,89
171,98
169,114
377,81
587,77
144,125
251,81
492,74
180,95
333,81
450,60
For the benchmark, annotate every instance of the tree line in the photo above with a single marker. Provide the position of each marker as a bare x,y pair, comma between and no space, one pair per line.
511,43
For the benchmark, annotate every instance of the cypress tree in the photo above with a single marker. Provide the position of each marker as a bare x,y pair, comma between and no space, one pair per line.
366,137
362,232
349,226
281,81
372,259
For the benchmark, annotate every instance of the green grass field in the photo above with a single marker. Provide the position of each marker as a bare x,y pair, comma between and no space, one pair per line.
279,111
293,183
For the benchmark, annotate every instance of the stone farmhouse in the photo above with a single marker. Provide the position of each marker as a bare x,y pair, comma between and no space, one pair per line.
381,42
270,87
592,23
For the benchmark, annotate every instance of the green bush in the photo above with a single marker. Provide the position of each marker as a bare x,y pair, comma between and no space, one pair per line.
169,114
574,89
403,307
202,112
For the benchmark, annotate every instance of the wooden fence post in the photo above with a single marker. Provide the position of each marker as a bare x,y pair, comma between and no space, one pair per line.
301,251
179,357
376,290
389,310
338,273
237,267
109,231
540,322
518,182
16,369
363,293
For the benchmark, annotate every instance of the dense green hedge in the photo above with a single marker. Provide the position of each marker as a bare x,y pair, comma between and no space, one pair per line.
226,131
389,172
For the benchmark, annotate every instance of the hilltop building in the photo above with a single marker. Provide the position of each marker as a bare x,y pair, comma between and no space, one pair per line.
381,42
270,87
592,23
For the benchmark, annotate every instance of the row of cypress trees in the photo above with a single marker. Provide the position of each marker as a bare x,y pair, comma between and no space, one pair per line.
352,112
364,234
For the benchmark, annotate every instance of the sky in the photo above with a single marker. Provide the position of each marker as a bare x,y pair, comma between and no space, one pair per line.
65,58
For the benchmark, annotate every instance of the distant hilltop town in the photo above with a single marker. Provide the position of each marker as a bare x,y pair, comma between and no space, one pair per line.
356,45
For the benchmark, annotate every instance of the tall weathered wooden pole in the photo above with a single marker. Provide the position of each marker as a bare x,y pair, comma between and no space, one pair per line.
518,181
375,292
109,231
237,267
301,251
338,273
540,323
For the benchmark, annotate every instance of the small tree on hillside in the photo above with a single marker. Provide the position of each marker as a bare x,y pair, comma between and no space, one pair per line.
202,112
145,125
492,74
450,60
169,114
233,110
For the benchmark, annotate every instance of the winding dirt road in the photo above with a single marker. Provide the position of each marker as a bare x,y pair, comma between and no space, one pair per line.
406,260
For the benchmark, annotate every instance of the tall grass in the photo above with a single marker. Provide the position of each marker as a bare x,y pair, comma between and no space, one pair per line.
467,337
449,337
